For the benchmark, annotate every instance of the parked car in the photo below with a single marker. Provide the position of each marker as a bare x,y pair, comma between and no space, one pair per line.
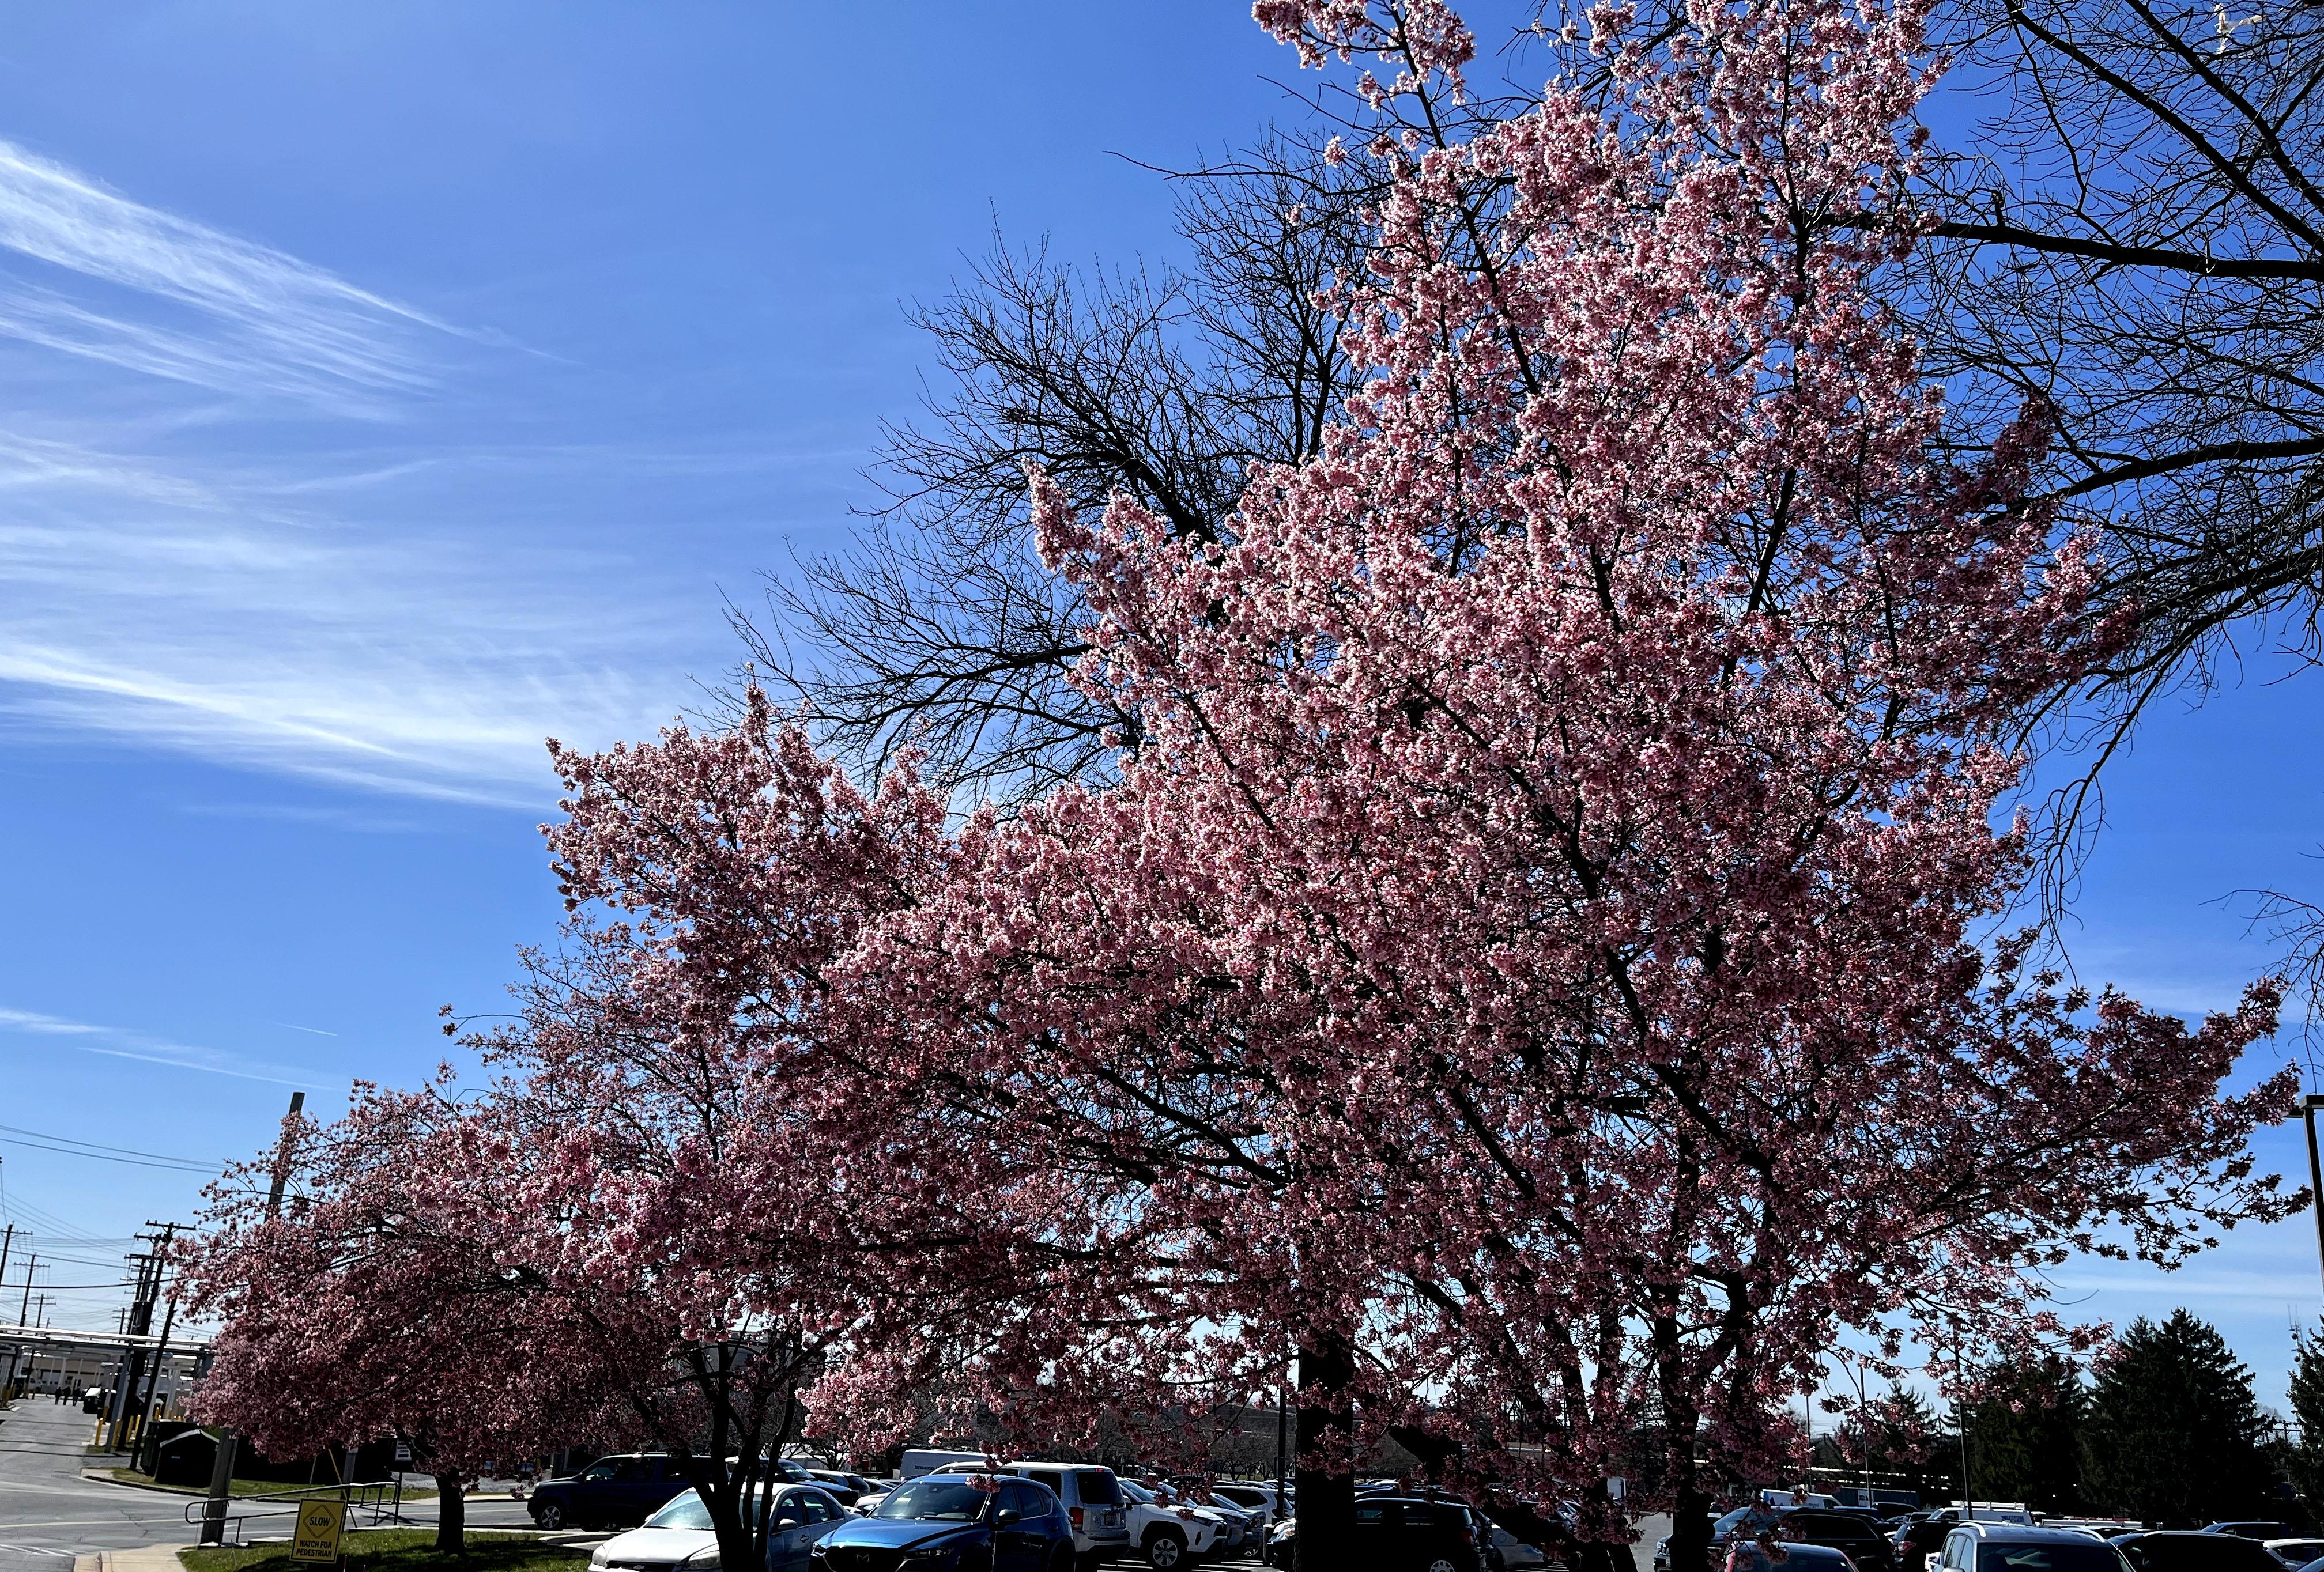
1173,1533
919,1461
2259,1531
1249,1528
946,1520
848,1487
1091,1496
2003,1546
2192,1551
1260,1500
1852,1533
679,1530
1922,1534
2295,1552
1508,1553
1242,1533
1406,1533
1815,1558
616,1492
680,1534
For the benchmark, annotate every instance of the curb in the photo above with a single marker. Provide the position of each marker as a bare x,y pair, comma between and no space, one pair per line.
95,1478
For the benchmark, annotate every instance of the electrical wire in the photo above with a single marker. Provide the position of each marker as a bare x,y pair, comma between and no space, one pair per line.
68,1146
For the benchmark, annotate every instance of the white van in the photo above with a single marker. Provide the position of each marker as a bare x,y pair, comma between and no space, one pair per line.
919,1461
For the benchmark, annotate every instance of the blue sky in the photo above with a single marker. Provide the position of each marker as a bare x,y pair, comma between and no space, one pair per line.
383,389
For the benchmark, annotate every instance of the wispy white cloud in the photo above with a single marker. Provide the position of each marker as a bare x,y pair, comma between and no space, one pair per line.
198,612
123,1043
237,317
410,607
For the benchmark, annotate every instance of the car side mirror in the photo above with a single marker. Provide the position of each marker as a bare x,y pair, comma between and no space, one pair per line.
1009,1515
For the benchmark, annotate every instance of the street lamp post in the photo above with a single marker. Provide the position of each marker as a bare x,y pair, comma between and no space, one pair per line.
2308,1107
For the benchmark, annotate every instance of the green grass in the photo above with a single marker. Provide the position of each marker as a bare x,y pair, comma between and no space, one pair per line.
399,1550
254,1486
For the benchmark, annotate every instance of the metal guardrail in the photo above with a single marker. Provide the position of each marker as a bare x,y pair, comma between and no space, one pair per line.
373,1498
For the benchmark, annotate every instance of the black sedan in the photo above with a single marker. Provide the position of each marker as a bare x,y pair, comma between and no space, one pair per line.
611,1492
956,1523
1403,1533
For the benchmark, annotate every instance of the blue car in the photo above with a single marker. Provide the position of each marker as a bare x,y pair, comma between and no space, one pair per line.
953,1523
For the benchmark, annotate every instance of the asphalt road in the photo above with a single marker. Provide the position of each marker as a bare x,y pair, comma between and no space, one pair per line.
49,1513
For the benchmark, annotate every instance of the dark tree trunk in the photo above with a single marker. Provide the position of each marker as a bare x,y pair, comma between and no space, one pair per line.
1326,1471
1690,1538
451,1515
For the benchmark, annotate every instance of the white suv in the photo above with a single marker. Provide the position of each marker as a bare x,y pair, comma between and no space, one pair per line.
1176,1534
2005,1547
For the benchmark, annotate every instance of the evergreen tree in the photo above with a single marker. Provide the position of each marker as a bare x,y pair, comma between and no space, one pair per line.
2173,1433
2025,1436
2306,1460
1896,1442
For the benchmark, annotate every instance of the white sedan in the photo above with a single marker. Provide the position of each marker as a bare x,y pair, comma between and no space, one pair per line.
679,1530
680,1534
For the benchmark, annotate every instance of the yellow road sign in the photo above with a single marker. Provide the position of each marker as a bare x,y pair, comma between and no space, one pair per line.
317,1536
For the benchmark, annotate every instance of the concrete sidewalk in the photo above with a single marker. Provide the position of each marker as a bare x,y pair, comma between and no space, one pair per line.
145,1559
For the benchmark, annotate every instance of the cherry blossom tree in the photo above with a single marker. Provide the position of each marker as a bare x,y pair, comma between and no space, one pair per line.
632,1233
1541,953
369,1309
674,1204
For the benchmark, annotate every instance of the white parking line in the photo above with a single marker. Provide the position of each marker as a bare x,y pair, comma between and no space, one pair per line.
35,1551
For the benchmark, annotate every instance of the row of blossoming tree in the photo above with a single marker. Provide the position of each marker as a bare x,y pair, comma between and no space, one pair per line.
1537,975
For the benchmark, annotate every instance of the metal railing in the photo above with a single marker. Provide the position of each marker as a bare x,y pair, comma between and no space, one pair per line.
374,1498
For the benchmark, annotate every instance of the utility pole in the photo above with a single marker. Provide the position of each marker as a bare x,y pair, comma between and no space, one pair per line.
160,1352
8,1384
228,1443
23,1306
140,1322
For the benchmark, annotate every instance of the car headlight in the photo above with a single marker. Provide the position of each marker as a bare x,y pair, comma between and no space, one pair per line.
705,1559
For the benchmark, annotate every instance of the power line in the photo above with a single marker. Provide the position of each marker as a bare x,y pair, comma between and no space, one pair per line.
66,1145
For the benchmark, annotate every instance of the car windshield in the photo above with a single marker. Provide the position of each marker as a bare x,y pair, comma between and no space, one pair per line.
1097,1487
2059,1557
951,1501
683,1511
1136,1493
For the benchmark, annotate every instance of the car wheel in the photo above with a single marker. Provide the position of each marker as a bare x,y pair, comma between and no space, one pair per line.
550,1515
1442,1564
1165,1551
